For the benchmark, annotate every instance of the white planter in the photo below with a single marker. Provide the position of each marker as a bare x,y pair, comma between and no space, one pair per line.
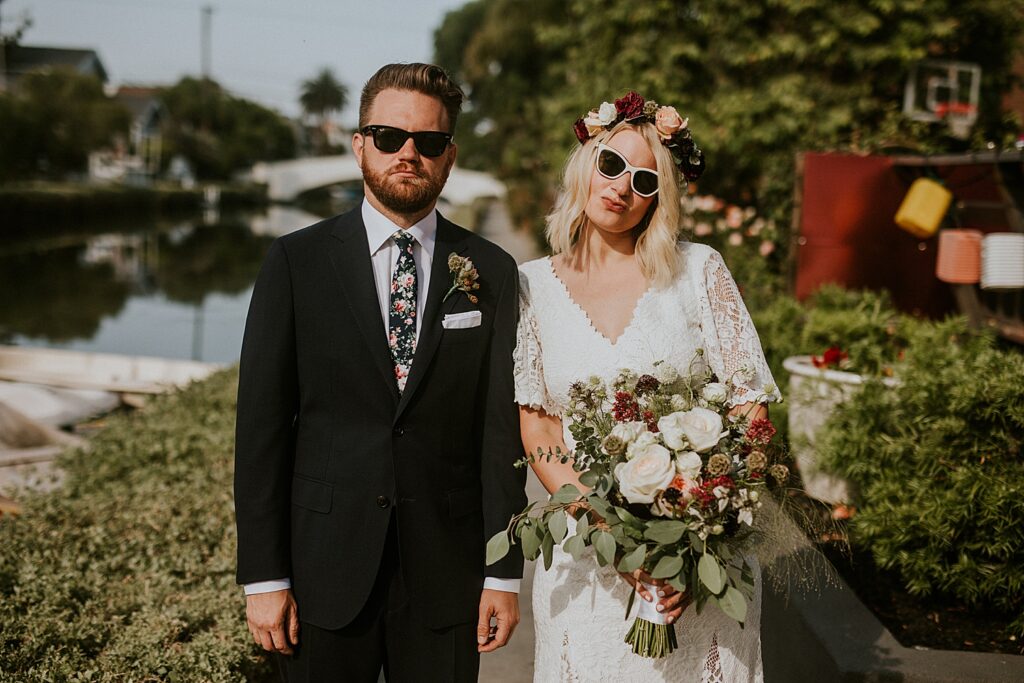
813,394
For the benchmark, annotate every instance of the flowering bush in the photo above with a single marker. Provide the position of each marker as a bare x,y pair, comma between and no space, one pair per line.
728,227
675,485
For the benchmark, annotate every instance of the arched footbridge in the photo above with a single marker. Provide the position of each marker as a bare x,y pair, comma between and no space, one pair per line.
286,180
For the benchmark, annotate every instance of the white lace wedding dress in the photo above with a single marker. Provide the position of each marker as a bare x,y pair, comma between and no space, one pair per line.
579,609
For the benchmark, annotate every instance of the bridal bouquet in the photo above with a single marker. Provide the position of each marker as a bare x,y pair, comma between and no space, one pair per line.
675,486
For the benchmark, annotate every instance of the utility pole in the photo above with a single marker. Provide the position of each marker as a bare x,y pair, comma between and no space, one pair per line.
3,54
206,22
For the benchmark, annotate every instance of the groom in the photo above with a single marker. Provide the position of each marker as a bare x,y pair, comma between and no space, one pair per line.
376,428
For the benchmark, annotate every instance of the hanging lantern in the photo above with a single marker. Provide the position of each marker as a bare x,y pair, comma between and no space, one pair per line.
923,208
959,259
1002,261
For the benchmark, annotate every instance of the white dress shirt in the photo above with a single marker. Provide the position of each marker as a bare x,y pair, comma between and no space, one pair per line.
383,255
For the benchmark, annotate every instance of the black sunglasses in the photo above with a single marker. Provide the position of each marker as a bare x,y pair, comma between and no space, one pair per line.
611,165
389,140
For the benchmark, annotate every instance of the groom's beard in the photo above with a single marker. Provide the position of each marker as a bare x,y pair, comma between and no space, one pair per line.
404,195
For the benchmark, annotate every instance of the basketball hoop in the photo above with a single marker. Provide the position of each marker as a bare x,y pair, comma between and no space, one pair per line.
959,116
947,91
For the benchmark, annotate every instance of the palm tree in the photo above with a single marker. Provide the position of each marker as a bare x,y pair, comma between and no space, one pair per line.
321,96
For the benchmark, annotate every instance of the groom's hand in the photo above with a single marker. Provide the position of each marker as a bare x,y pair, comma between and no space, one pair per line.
273,620
504,607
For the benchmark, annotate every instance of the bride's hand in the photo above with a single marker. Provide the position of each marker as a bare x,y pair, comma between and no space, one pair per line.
670,601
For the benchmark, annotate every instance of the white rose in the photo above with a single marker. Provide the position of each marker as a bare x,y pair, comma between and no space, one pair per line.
643,441
643,477
715,392
679,402
688,465
629,431
703,428
671,428
606,114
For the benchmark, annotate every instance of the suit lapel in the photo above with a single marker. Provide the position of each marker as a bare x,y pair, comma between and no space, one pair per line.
446,242
350,256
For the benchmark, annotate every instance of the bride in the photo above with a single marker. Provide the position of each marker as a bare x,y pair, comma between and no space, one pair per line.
621,292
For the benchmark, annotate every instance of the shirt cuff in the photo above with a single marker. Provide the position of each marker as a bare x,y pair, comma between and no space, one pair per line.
267,586
508,585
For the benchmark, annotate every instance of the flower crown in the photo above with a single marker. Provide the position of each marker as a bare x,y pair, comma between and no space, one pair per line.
671,127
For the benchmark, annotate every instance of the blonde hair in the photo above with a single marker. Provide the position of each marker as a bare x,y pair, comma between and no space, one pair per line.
658,231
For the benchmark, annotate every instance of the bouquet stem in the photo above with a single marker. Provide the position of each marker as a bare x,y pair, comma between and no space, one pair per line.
651,635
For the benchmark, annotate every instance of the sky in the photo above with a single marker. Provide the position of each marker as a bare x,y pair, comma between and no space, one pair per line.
261,49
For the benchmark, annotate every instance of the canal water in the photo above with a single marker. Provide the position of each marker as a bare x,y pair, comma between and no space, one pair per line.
167,288
170,288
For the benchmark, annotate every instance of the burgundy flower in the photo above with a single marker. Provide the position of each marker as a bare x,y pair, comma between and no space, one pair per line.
580,128
647,384
652,421
631,106
625,408
760,431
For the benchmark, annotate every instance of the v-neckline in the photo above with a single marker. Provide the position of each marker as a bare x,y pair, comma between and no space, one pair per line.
586,316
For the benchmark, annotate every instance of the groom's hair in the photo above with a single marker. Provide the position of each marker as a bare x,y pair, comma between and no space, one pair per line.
428,79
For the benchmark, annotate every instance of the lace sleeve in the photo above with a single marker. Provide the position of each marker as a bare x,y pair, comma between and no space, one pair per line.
531,390
733,347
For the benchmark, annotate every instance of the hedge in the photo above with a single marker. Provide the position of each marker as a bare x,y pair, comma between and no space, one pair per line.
939,465
126,572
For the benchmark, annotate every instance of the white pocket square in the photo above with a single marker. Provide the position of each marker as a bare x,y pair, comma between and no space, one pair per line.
460,321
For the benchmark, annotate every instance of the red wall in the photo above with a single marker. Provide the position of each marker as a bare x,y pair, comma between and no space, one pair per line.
847,234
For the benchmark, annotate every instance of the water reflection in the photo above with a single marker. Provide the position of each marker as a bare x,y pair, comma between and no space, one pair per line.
176,290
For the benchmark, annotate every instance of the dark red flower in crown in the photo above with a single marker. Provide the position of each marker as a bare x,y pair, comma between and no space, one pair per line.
630,107
580,128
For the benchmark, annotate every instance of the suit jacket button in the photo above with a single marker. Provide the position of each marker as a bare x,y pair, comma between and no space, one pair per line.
398,431
382,501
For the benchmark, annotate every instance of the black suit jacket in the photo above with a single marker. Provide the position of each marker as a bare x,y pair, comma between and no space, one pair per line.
326,449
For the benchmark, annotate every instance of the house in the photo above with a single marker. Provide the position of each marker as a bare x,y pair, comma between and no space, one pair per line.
19,60
145,140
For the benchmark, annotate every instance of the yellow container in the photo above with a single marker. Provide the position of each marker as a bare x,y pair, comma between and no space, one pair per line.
923,208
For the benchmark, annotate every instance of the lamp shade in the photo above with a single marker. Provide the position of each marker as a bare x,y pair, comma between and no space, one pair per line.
923,208
959,258
1002,261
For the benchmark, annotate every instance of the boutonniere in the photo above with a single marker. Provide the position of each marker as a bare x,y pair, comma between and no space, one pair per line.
464,277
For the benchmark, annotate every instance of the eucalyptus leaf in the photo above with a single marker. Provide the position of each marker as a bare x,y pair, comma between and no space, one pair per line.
566,494
575,546
583,525
557,525
497,547
711,574
670,565
589,478
665,531
633,560
531,542
546,547
733,604
678,583
695,542
605,545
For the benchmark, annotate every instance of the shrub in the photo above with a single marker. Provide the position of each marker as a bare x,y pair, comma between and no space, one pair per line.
126,572
939,467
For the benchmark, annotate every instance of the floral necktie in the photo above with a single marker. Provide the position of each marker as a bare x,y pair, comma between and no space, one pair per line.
402,312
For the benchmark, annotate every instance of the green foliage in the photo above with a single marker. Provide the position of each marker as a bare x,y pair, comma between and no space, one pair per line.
322,96
760,80
52,122
939,466
219,133
127,571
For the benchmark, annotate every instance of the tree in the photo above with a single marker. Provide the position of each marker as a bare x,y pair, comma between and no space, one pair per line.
219,133
56,117
322,96
760,81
